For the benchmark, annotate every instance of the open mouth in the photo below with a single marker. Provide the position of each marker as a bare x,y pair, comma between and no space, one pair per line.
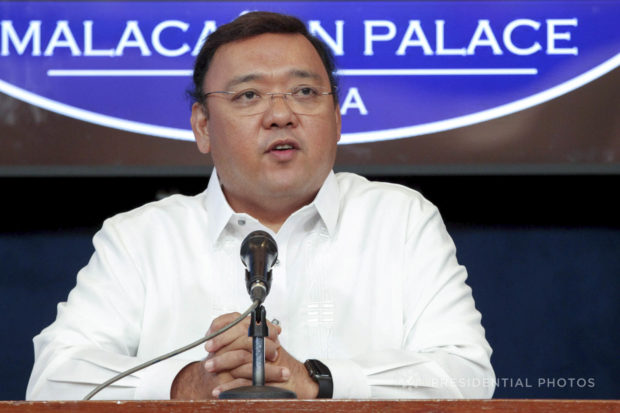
283,146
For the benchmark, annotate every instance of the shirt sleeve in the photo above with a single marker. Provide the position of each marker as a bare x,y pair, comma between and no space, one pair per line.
97,332
444,353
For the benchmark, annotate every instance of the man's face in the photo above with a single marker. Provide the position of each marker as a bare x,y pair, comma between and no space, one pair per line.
247,150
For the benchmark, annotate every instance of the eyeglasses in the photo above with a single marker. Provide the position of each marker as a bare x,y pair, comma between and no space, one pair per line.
302,100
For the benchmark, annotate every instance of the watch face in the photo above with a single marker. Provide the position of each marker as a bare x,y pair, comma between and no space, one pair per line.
317,369
311,367
320,373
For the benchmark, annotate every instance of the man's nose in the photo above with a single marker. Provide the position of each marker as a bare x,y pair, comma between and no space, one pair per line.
279,112
285,98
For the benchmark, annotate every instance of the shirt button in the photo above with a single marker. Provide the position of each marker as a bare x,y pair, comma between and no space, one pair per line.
241,222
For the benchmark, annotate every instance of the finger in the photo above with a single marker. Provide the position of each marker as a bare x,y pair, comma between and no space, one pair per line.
241,329
242,372
238,331
246,344
272,372
242,342
271,350
222,321
227,361
230,385
277,374
274,331
236,338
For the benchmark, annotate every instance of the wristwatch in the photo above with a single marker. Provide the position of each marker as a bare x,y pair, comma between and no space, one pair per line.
321,374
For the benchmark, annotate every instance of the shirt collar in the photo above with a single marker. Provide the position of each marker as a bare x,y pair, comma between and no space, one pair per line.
219,212
327,202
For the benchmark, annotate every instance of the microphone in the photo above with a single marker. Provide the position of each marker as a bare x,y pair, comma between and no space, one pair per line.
258,253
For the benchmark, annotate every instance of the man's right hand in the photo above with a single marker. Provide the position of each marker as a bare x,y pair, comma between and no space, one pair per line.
229,362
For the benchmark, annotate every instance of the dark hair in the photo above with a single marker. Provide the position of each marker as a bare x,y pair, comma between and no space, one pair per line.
250,25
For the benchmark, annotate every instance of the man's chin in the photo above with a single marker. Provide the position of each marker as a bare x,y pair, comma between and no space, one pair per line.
299,187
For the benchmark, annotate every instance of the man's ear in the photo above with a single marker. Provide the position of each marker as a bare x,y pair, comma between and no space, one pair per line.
199,127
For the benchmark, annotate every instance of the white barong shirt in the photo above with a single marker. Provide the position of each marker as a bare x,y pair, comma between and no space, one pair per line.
366,281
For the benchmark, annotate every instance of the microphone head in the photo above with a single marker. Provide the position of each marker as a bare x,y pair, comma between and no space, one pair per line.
258,253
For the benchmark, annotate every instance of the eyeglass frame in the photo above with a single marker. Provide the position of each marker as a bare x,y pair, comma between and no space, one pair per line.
270,94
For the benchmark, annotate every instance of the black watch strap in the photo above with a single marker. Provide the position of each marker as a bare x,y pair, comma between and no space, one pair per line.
321,374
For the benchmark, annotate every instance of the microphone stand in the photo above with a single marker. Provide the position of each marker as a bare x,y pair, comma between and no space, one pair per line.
258,330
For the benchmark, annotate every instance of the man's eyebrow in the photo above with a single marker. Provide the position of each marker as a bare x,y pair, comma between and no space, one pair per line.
295,73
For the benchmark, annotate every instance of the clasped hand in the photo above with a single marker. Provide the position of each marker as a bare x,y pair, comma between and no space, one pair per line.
229,365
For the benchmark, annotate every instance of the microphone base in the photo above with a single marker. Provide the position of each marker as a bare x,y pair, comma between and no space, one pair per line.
257,392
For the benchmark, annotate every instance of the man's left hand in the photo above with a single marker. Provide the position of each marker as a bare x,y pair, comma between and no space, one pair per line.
297,380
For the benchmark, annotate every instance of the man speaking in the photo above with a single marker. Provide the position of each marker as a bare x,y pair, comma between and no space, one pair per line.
366,289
